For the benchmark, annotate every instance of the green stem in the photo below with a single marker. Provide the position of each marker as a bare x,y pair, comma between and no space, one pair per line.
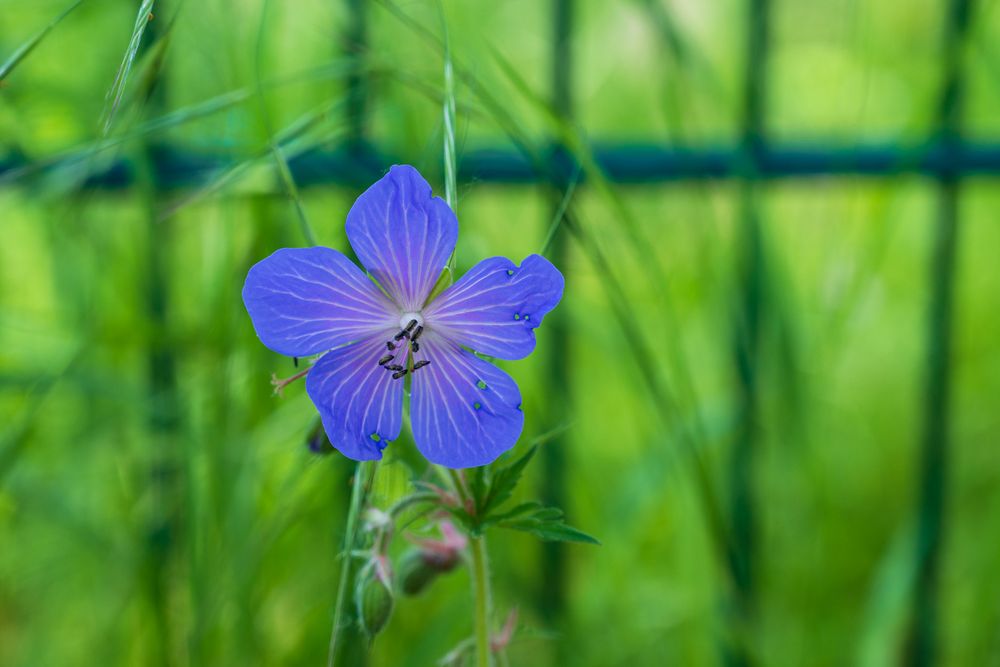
480,578
481,589
362,473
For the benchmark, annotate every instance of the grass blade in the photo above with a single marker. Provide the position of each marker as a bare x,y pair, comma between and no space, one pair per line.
560,213
448,116
290,141
450,186
287,180
117,90
22,51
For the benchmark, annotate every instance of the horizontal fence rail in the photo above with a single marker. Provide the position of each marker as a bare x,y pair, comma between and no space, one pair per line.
621,163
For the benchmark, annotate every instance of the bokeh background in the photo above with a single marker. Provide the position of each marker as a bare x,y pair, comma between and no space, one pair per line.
771,390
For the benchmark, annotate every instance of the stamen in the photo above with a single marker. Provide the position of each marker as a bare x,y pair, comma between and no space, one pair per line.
386,359
416,334
389,345
396,376
394,367
401,335
415,346
409,327
420,364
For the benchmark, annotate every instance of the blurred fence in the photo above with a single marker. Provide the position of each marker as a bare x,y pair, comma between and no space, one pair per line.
944,156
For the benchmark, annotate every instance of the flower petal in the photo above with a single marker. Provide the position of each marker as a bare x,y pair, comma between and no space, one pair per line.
496,306
403,235
307,300
465,411
359,402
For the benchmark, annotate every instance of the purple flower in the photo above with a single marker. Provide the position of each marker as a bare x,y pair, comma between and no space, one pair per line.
377,333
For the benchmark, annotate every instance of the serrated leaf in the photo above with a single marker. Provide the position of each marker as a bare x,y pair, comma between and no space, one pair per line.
560,532
518,510
550,531
504,481
549,514
478,485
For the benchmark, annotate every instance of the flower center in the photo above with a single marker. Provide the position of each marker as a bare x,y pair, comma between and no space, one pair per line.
400,353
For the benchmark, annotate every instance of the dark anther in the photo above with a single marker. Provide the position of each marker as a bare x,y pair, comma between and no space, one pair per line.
295,360
420,364
416,334
389,345
384,360
399,374
415,346
394,367
405,333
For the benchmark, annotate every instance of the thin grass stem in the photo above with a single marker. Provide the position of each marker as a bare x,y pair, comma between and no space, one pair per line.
21,52
923,647
287,180
117,90
448,115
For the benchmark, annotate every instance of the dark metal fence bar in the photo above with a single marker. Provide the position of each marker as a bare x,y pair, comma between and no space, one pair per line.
751,288
552,598
627,164
352,647
165,468
355,45
923,645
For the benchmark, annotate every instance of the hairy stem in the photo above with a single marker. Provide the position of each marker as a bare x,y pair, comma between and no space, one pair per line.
481,591
362,474
480,578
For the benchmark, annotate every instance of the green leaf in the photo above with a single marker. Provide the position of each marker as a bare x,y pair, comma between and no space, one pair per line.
553,530
504,481
478,485
549,514
518,510
544,522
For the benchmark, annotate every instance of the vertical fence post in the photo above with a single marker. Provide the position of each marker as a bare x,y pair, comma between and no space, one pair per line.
355,45
923,642
751,291
352,649
553,589
163,528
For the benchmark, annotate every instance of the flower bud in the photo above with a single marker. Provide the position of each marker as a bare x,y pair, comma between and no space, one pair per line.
373,596
415,574
442,561
418,567
317,440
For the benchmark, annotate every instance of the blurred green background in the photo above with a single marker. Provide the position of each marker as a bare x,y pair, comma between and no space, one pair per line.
773,400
